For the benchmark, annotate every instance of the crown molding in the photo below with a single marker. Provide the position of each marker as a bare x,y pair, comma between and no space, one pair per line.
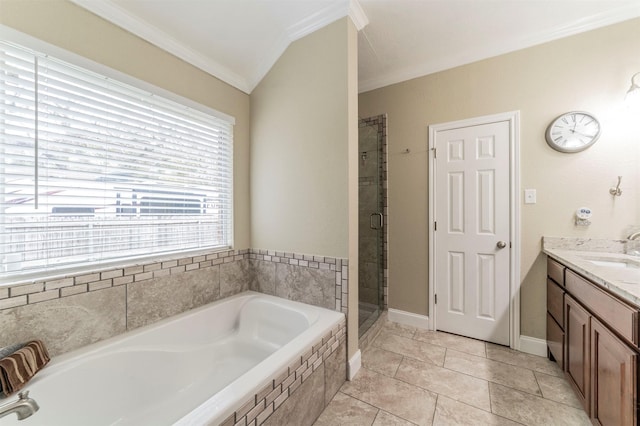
108,10
610,17
357,15
326,16
308,25
268,61
113,13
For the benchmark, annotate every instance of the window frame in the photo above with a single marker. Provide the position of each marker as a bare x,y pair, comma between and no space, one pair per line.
13,36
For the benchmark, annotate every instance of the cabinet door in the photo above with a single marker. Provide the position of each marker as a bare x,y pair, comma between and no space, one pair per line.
613,379
577,347
555,340
555,302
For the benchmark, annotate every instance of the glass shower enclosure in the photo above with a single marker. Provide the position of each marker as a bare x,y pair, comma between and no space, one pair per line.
371,219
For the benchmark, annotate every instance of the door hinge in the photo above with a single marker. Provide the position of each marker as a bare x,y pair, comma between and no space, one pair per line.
435,296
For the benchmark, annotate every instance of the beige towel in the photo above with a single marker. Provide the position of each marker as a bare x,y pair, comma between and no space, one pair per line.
19,367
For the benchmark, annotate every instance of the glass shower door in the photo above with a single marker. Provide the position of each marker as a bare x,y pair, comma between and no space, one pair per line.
371,224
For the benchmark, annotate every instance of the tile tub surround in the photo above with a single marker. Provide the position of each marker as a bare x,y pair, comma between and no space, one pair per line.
300,392
317,280
76,310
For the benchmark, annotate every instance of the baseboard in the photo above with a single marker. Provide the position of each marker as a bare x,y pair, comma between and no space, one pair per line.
533,345
408,318
354,365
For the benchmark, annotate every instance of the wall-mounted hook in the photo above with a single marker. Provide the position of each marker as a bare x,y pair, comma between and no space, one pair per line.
616,191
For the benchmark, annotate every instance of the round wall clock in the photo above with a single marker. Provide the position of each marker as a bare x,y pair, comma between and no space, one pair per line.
573,131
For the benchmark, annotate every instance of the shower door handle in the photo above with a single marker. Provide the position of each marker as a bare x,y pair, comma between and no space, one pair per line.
380,224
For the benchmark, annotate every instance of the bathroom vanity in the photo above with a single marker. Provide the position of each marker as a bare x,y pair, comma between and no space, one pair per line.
593,307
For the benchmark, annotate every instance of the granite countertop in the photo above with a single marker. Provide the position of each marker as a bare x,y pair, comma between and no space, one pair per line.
600,266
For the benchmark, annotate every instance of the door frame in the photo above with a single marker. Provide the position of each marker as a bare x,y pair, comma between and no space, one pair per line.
513,118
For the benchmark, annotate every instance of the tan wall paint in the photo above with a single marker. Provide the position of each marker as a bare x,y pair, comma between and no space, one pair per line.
72,28
591,72
304,153
354,190
300,131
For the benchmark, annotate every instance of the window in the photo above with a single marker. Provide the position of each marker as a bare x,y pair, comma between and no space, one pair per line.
93,170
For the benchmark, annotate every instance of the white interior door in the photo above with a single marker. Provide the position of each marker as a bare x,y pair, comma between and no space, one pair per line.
472,237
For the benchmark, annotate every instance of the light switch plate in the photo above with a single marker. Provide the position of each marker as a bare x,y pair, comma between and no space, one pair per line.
529,196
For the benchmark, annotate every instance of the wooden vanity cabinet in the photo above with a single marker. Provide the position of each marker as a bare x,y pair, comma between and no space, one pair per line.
555,312
600,341
578,368
613,378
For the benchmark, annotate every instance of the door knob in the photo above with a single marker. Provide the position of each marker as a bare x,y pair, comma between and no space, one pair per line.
501,244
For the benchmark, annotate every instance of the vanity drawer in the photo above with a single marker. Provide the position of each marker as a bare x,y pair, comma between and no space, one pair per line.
555,302
555,271
555,340
617,314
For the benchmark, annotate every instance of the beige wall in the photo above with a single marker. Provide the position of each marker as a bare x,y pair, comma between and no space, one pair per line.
300,131
353,166
304,153
591,72
70,27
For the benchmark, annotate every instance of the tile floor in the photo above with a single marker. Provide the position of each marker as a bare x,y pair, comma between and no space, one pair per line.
416,377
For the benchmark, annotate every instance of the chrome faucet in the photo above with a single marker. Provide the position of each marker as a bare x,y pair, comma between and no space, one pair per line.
23,406
632,247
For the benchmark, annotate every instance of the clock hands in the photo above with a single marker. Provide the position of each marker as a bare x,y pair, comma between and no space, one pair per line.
582,134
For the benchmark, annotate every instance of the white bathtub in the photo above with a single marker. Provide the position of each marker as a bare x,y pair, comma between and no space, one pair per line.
191,369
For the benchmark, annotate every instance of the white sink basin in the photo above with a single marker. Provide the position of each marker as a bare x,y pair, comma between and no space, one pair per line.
611,263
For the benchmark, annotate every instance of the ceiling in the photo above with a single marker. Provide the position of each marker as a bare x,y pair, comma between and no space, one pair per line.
238,41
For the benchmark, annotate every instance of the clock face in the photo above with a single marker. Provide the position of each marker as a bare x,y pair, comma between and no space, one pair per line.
573,132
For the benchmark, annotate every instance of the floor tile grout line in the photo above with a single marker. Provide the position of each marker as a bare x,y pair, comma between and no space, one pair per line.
470,375
490,398
449,347
580,407
435,409
486,356
451,398
447,396
394,415
538,384
534,370
377,408
497,383
357,399
505,363
455,371
398,367
405,355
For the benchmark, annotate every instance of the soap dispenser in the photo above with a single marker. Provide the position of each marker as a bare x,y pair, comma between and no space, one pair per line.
583,214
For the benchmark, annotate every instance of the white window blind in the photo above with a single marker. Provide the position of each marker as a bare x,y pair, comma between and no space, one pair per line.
93,170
